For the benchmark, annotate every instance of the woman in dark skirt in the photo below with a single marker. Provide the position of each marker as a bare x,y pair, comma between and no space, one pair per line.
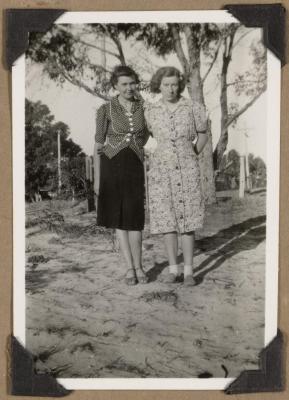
120,136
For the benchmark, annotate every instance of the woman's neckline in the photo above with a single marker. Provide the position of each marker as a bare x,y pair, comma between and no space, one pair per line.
172,109
129,111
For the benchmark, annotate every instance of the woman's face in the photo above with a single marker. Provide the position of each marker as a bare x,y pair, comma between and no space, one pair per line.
126,86
169,88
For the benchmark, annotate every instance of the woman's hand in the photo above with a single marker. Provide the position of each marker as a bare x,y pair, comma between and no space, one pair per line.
100,149
201,142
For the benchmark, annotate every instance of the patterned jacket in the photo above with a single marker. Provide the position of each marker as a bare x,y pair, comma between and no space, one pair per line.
117,128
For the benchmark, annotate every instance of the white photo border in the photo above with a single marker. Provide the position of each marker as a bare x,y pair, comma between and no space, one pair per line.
273,174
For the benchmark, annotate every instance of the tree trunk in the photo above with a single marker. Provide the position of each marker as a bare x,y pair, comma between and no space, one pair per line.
223,140
206,157
195,88
207,170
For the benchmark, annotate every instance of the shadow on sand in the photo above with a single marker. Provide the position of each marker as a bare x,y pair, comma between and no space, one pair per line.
221,246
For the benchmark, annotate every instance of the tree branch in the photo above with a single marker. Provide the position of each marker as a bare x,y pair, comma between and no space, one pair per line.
111,53
243,109
213,61
77,39
179,49
231,41
225,53
76,82
116,40
242,36
202,35
192,43
245,82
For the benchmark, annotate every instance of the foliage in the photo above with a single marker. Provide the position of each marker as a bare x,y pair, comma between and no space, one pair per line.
229,171
78,55
246,87
41,147
257,171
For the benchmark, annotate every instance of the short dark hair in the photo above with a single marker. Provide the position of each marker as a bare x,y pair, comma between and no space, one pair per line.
122,70
165,72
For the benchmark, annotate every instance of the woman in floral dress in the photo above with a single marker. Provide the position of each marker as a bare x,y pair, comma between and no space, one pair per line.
175,198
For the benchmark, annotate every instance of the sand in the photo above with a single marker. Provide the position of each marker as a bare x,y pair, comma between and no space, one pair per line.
84,321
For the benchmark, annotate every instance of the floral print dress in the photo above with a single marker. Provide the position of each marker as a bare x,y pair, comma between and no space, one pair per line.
174,184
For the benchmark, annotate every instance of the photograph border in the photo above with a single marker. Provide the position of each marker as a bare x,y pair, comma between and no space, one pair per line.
18,121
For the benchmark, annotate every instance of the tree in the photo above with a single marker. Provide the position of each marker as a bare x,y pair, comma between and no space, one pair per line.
250,84
233,158
168,38
78,56
37,123
228,174
68,57
41,146
257,171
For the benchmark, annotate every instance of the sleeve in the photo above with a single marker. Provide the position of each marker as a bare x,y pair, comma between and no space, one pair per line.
101,125
147,134
96,169
200,117
146,107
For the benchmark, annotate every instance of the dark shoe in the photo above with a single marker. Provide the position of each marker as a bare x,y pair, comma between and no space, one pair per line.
130,277
141,276
189,280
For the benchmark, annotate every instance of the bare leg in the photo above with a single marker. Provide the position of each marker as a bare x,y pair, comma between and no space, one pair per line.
188,242
171,244
135,241
123,238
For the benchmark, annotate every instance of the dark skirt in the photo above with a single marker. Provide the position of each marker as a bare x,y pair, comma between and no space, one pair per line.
121,192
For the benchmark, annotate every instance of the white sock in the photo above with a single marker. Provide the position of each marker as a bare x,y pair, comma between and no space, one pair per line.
173,269
188,270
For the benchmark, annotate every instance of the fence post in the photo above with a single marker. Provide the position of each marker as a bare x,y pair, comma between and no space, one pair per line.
242,177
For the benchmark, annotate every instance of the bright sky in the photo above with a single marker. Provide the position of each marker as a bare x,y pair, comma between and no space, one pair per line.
77,108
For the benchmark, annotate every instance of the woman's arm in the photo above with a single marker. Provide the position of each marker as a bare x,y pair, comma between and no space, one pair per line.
201,142
148,133
100,136
201,125
96,158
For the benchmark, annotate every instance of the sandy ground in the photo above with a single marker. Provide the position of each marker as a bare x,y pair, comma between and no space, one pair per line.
83,321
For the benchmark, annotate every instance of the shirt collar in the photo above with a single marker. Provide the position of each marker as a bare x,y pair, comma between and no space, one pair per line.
137,103
182,102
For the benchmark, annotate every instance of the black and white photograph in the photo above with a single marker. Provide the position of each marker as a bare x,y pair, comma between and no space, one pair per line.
146,179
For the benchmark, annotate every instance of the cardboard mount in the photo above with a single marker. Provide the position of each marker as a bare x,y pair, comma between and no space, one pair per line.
23,379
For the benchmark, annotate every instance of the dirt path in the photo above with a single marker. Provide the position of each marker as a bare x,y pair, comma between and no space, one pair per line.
83,321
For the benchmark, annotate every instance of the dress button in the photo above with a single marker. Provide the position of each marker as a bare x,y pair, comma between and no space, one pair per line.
177,167
179,184
181,217
127,140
